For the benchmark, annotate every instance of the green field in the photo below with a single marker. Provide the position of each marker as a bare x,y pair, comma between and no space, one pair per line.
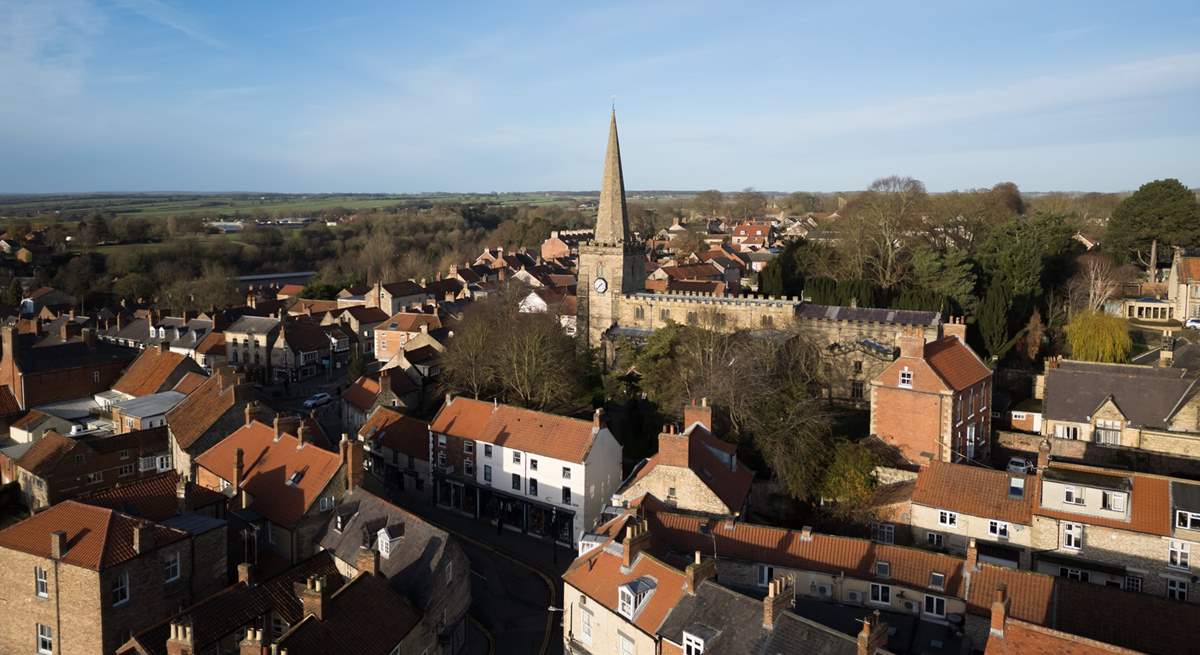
227,205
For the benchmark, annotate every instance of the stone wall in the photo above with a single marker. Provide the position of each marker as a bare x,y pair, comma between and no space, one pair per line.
691,493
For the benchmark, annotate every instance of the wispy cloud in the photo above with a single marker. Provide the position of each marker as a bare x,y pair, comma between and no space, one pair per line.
168,16
45,47
1072,33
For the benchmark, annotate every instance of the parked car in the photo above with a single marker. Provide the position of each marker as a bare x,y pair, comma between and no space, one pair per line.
1020,465
1193,323
317,399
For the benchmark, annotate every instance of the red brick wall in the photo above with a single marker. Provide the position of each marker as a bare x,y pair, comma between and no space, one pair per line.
43,388
909,420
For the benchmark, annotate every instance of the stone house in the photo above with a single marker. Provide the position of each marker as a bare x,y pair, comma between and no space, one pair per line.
420,562
361,321
530,471
56,468
933,403
1122,406
1116,528
396,448
299,351
288,484
393,297
1183,285
209,413
955,505
693,471
81,579
248,343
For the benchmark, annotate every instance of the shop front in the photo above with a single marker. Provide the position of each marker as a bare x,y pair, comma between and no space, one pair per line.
506,511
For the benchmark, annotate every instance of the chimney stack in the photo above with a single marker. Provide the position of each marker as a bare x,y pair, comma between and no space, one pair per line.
278,425
698,571
598,418
239,462
245,573
956,327
1166,354
183,495
1000,611
179,641
873,635
702,414
1043,460
301,434
779,598
637,537
912,345
672,447
352,461
143,538
58,544
312,596
367,560
253,643
248,409
972,563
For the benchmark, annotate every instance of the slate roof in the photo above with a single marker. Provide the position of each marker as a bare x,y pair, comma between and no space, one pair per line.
97,537
403,288
411,564
269,468
974,490
793,634
73,354
734,621
1148,397
867,315
563,438
255,324
364,617
151,405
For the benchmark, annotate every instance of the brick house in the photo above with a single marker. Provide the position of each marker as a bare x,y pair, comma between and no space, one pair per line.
64,370
693,470
81,579
206,416
538,473
420,562
289,483
57,468
933,402
396,448
1121,406
390,387
954,505
393,334
144,412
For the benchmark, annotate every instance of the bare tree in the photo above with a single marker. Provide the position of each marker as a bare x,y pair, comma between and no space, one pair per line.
1096,281
879,222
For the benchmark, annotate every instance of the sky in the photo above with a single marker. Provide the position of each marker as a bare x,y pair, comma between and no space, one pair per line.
400,97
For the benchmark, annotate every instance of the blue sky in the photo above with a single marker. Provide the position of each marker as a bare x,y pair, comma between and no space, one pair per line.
128,95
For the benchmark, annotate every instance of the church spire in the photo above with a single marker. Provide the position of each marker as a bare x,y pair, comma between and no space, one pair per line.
612,221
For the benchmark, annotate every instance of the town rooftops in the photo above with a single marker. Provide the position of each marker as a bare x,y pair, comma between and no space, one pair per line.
253,324
1021,638
550,435
283,479
189,382
96,537
403,288
151,405
974,490
155,498
395,431
710,458
204,406
213,343
1149,497
599,574
364,391
955,363
364,617
868,315
1189,268
411,322
1146,396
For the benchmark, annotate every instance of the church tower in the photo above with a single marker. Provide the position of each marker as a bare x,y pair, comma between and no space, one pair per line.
611,264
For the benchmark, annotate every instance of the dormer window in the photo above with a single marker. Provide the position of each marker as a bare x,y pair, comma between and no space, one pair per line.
692,644
906,378
1114,501
1016,487
883,569
937,580
631,597
389,539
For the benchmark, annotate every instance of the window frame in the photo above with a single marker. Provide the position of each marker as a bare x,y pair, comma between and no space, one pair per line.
566,495
487,450
1191,522
45,639
1178,555
692,645
937,601
41,582
532,487
766,573
1074,496
626,603
883,569
883,533
881,594
947,518
117,586
1177,589
998,529
1073,536
172,561
934,583
935,539
487,473
1132,581
585,625
906,378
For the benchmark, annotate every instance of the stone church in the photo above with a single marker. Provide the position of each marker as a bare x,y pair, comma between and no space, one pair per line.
613,302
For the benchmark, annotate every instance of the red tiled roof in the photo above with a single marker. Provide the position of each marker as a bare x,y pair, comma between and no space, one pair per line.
150,372
8,402
1189,269
973,490
365,390
1142,622
289,290
154,498
1021,638
213,343
602,578
269,466
189,382
955,363
97,537
203,407
45,453
1149,503
545,434
398,432
410,322
1031,594
823,552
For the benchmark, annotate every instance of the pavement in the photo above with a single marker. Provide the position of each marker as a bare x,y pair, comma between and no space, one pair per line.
515,579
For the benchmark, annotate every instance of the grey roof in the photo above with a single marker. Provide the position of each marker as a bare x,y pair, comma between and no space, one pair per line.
728,621
1087,478
826,622
73,354
411,564
152,405
1147,397
193,524
255,324
796,635
867,315
1185,495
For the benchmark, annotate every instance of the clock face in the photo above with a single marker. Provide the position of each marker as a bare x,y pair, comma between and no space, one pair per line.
601,285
